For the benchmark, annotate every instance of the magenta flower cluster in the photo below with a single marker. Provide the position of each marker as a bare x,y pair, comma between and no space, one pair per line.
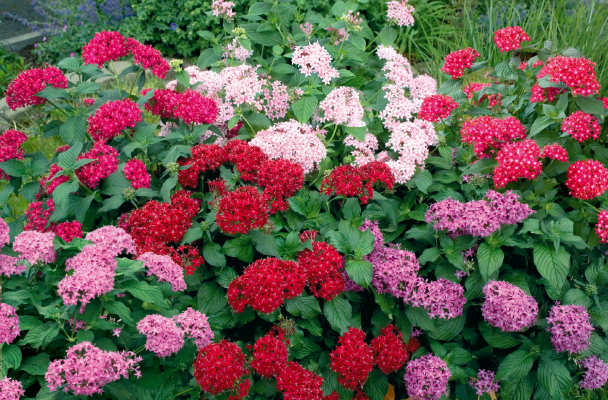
570,328
165,269
114,240
508,307
35,246
9,324
10,265
11,389
5,236
426,378
163,337
195,326
485,382
596,374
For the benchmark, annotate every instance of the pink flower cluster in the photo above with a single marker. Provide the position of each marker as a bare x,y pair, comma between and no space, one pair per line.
426,378
314,59
596,374
163,337
11,389
342,107
236,50
149,58
601,228
196,326
489,134
555,152
105,164
437,107
165,269
576,73
485,383
105,46
274,103
35,246
10,148
112,239
223,8
22,91
112,118
190,106
570,328
510,38
517,160
364,151
587,179
541,95
508,307
292,141
9,266
5,231
9,324
458,61
581,126
87,369
442,298
400,12
136,172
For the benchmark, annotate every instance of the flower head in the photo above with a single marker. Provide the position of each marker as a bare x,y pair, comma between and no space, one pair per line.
437,107
35,246
587,179
570,328
400,12
485,383
196,326
576,73
458,61
352,359
105,46
112,118
426,378
223,9
11,389
517,160
163,337
581,126
105,164
9,324
281,179
297,383
22,91
148,57
314,59
112,239
136,172
510,38
68,231
390,351
490,134
270,354
165,269
219,367
342,107
601,228
242,210
555,152
596,374
507,307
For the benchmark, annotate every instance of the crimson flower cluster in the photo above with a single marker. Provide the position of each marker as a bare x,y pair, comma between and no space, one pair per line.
280,179
10,148
69,230
37,216
458,61
242,210
112,118
576,73
22,91
510,38
205,157
297,383
437,107
352,359
489,134
191,106
581,126
49,184
601,228
136,172
350,181
323,267
541,95
105,164
270,354
247,158
390,351
149,58
517,160
220,367
587,179
105,46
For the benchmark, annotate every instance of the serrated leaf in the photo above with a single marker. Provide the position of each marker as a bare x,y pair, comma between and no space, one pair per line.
212,253
551,264
360,272
376,385
515,366
490,259
554,377
304,108
338,313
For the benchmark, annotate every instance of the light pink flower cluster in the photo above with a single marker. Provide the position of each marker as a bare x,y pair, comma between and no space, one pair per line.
196,326
136,172
292,141
510,38
422,86
411,140
223,9
11,389
242,84
87,369
508,307
342,107
400,12
112,239
570,328
9,324
596,374
307,29
485,382
163,336
364,152
5,233
274,103
9,265
426,378
236,50
165,269
35,246
314,59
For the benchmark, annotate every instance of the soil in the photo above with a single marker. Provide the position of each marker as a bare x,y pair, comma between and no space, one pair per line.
22,8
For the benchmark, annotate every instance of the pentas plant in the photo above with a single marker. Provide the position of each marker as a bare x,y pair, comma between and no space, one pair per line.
300,217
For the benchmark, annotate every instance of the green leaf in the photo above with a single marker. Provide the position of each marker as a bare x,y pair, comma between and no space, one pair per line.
420,318
14,168
496,338
207,59
165,191
338,313
212,253
304,108
590,105
73,130
518,389
112,203
429,254
11,358
88,87
388,35
41,336
360,271
577,297
551,264
376,385
264,243
37,365
539,125
447,329
241,248
490,259
210,298
422,179
483,166
143,291
118,308
358,132
554,377
260,8
515,366
70,63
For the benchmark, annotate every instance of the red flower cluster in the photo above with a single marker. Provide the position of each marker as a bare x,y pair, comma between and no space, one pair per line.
48,186
22,91
413,345
220,367
246,157
323,267
186,257
353,359
242,210
390,352
136,172
149,58
510,38
297,383
576,73
10,148
587,179
310,234
555,152
581,126
474,87
280,180
69,230
436,107
38,214
517,160
601,228
105,46
490,134
106,164
112,118
266,284
458,61
192,107
604,101
205,157
541,95
270,354
349,181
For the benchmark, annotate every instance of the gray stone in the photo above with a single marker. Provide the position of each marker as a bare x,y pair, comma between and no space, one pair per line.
4,125
20,42
9,116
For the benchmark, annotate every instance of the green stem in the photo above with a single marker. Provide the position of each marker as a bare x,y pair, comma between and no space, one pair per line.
591,206
135,80
370,99
55,105
340,51
334,133
184,392
373,40
89,191
140,349
247,122
116,78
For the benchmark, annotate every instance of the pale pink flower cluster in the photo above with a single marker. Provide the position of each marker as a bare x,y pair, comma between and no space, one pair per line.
293,141
422,86
113,239
411,140
307,29
339,35
236,50
400,12
35,246
5,231
364,152
11,389
165,269
87,369
10,265
163,336
223,8
274,103
342,107
596,374
314,59
9,324
241,84
195,326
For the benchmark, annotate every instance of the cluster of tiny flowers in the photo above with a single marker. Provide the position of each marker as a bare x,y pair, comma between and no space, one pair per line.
485,383
247,157
112,118
22,90
136,172
364,150
342,107
390,351
163,337
541,95
10,148
205,157
297,383
426,378
275,103
105,46
9,324
266,284
581,126
596,374
50,183
270,354
10,266
510,38
508,307
352,359
35,246
576,73
236,50
280,180
307,29
223,8
187,257
105,164
149,58
165,269
587,179
517,160
442,298
350,181
400,12
219,366
112,239
68,231
195,326
87,369
437,107
601,228
37,216
293,141
11,389
190,106
474,87
555,152
323,267
5,231
570,328
489,134
314,59
458,61
242,210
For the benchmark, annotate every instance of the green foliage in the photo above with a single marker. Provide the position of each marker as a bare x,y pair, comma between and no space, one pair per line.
11,64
